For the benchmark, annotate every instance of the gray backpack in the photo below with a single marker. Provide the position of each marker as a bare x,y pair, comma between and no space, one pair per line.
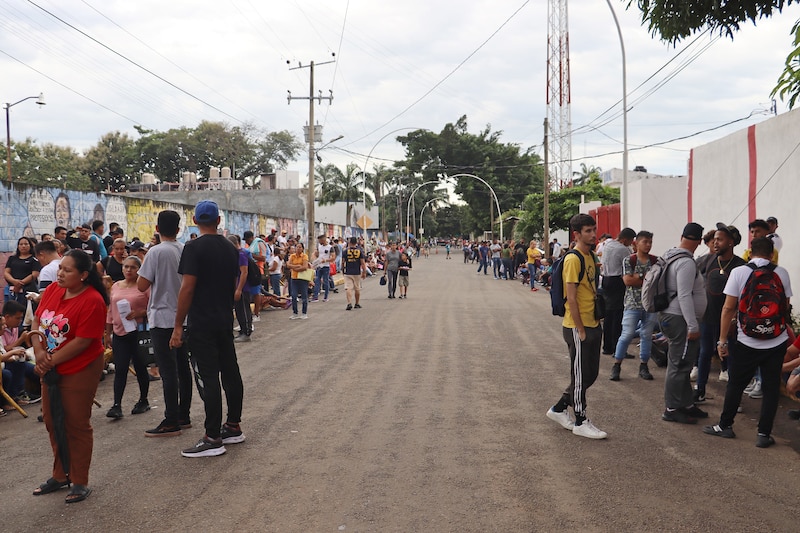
655,296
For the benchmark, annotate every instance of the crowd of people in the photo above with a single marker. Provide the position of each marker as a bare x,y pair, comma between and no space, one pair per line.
718,304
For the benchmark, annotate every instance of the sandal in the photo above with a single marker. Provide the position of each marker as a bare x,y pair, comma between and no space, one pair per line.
51,485
78,493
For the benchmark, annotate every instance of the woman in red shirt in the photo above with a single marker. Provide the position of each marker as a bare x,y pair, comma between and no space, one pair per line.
71,317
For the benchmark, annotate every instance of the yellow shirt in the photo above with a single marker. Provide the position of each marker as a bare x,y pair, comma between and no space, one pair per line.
586,289
534,255
295,260
747,256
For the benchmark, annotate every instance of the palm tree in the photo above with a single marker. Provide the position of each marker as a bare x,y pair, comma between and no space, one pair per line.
587,174
336,186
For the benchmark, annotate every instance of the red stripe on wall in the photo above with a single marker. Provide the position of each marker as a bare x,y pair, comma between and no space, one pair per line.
753,169
691,175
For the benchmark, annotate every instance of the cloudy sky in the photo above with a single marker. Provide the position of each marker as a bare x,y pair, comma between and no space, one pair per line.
110,65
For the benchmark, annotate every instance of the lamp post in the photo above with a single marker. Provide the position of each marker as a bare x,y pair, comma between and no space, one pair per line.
624,122
408,207
422,212
494,195
39,101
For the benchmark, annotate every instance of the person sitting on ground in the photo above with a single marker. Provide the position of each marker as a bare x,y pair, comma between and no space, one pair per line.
12,343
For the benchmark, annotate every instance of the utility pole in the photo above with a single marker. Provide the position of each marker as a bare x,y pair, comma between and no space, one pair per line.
310,196
546,192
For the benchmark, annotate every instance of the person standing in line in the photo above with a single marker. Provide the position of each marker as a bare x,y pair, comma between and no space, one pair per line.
261,253
680,323
507,261
275,270
47,255
483,258
323,256
241,295
22,271
391,268
555,249
495,250
355,270
615,253
534,261
209,265
581,329
402,278
296,263
761,340
159,274
772,222
634,270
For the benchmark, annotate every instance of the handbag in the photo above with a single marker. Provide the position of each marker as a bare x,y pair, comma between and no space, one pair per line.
383,280
145,345
307,274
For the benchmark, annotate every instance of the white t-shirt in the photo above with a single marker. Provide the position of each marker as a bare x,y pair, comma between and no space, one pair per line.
495,248
736,282
276,260
49,272
324,251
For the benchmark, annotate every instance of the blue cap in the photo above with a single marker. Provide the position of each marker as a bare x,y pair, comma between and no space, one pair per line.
206,211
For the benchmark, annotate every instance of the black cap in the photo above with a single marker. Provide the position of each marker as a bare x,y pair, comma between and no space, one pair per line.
732,232
693,231
772,220
136,246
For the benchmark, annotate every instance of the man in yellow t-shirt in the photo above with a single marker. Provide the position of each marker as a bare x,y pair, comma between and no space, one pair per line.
582,331
534,260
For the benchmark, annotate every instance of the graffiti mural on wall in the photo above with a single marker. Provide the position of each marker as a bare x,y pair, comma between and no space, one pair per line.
32,211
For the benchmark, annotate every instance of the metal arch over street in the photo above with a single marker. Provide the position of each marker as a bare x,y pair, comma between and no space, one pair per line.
408,205
496,202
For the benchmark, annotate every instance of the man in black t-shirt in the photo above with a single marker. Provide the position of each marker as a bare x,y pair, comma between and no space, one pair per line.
354,265
210,266
81,239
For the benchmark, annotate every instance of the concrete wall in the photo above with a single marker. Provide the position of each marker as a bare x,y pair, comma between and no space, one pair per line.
658,204
750,174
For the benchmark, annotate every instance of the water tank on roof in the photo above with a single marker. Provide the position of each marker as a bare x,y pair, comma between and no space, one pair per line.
640,169
213,173
148,178
226,173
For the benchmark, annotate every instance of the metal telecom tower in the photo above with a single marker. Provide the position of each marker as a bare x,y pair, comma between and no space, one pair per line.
558,93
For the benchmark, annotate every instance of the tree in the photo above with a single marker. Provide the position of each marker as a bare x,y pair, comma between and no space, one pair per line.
112,164
586,174
511,172
674,20
47,165
564,204
336,186
270,151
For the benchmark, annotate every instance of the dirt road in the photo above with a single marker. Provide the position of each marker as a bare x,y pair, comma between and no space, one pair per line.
424,414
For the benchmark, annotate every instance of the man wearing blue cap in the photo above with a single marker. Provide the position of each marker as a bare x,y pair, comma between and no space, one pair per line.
210,266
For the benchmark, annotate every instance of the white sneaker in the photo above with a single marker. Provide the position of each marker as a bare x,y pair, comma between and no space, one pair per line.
723,375
562,418
303,316
294,317
757,393
237,328
751,386
588,430
693,374
256,318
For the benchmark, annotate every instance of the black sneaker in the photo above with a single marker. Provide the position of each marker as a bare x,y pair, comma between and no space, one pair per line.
699,396
231,435
115,412
794,414
163,430
349,307
205,447
357,306
696,412
720,431
185,423
644,372
678,415
615,370
764,441
142,406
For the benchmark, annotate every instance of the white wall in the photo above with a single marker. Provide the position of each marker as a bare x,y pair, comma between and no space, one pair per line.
658,205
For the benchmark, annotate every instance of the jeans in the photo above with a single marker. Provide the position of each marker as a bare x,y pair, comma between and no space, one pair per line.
630,321
125,349
483,264
743,364
275,282
496,266
176,376
391,281
681,358
215,355
299,290
709,335
322,276
508,270
532,274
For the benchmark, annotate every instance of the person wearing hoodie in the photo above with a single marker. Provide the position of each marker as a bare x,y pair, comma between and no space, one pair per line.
680,323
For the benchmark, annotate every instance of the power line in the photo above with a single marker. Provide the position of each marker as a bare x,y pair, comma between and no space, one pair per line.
134,63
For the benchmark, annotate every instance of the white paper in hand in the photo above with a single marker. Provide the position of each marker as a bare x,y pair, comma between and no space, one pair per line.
124,308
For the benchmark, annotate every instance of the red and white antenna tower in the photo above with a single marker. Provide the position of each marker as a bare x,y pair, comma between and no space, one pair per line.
558,93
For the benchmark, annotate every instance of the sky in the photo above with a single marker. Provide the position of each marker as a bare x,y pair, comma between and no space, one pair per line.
108,66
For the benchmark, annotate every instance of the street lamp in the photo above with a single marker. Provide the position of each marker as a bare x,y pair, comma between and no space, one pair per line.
39,101
421,213
496,202
408,208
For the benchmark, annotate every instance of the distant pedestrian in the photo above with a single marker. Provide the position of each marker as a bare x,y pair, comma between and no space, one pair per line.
355,270
297,264
390,268
403,270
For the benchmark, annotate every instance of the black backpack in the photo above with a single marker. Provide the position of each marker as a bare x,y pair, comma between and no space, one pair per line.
558,296
253,273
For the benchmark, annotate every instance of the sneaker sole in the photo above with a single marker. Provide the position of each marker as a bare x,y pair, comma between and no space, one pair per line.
213,452
554,417
233,440
165,434
595,436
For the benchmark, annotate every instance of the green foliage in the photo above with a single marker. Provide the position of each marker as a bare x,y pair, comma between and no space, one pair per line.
512,172
112,163
47,165
563,205
674,20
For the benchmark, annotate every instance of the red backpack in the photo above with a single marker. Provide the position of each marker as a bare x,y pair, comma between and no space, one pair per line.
762,304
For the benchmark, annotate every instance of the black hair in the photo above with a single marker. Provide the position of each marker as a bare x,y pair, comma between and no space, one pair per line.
30,243
353,240
83,262
709,236
59,228
96,224
168,223
580,221
759,223
762,247
627,233
248,235
12,307
44,246
645,235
